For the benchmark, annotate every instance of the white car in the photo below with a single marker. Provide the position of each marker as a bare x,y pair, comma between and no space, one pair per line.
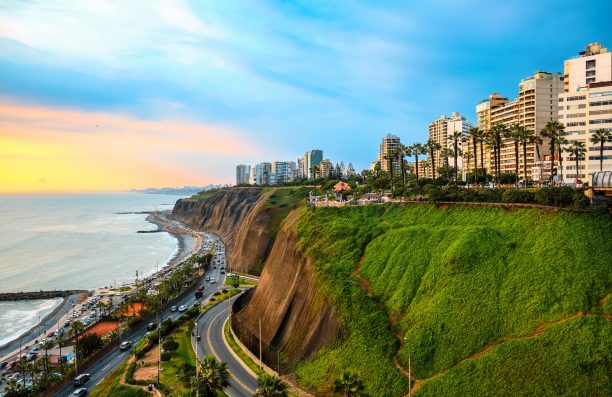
212,280
182,308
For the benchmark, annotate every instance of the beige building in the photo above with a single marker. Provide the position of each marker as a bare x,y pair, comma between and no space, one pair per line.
442,128
586,106
532,109
483,116
325,168
389,144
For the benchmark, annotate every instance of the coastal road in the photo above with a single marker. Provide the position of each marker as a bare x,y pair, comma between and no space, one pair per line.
106,365
212,341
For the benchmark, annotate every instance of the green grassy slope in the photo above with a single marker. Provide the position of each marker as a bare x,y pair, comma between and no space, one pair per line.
456,282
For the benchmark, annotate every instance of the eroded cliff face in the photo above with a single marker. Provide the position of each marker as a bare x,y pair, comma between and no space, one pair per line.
294,317
240,217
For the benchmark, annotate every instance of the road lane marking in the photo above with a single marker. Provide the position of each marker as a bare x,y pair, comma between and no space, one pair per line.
106,367
215,353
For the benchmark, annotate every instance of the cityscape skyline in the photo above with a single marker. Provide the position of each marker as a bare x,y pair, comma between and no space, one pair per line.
64,105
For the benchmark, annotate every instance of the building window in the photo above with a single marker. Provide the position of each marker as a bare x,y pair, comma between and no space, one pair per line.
590,80
590,64
590,73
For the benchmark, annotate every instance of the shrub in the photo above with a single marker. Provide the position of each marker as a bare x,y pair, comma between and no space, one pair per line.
580,200
165,356
555,195
170,345
129,374
217,293
139,353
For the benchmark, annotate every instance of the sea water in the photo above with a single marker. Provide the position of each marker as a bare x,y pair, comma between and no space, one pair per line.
74,241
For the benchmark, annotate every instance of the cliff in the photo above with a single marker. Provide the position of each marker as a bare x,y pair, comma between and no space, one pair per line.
295,317
247,220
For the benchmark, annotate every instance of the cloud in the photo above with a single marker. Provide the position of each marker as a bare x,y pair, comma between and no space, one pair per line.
73,149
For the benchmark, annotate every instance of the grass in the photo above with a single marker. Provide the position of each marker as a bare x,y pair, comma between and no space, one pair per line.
452,282
206,194
241,280
110,386
243,356
184,354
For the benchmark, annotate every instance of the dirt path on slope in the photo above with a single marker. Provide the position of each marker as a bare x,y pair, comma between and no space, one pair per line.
538,331
365,285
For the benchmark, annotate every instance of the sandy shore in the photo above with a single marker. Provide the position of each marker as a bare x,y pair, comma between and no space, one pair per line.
48,322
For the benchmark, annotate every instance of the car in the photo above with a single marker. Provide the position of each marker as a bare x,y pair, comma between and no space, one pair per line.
212,280
51,334
182,308
80,392
222,271
151,326
3,364
35,349
125,345
173,309
81,379
207,278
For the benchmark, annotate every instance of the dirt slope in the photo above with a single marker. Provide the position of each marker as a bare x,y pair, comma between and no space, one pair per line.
240,217
293,316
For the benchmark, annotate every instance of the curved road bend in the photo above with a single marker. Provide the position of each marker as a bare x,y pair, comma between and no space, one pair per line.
107,364
210,329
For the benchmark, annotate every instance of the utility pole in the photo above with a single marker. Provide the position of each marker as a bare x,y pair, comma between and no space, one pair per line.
197,366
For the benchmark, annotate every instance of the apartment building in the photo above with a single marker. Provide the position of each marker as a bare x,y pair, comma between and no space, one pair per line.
532,109
326,167
442,128
584,107
389,144
311,159
282,172
483,122
242,174
301,168
263,173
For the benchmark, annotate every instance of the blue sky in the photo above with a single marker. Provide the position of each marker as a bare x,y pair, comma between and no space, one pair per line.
286,75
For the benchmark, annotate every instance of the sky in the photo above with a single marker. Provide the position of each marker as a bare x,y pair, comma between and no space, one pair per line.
113,95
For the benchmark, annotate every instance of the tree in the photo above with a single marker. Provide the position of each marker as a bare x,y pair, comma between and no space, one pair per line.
417,149
348,384
432,147
270,386
514,134
455,137
46,345
601,136
23,366
473,134
13,388
525,137
88,345
536,140
212,378
561,141
552,130
390,157
445,153
60,342
402,152
76,327
496,134
577,150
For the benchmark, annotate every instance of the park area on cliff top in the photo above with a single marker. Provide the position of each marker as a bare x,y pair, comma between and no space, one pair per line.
487,301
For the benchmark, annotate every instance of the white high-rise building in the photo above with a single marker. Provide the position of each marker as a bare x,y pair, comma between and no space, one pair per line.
388,146
263,173
441,129
584,107
282,172
242,174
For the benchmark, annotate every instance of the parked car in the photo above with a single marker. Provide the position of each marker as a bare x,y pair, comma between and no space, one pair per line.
81,379
80,392
182,308
125,345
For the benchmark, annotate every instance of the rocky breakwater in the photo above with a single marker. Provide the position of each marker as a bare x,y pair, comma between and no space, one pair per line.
295,317
242,217
21,296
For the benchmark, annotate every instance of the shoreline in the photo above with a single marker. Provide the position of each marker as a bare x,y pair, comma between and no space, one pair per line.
46,322
183,251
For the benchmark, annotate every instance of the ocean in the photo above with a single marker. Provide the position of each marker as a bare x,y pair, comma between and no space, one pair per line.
74,241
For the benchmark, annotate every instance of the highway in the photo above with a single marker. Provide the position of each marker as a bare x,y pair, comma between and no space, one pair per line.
106,365
210,328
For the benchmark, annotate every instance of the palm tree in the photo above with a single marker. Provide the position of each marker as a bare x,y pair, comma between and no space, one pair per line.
46,345
552,130
212,378
524,136
348,384
23,366
577,150
390,157
467,156
561,141
496,134
473,134
60,341
536,140
432,147
417,149
76,327
270,386
514,134
455,137
13,387
601,136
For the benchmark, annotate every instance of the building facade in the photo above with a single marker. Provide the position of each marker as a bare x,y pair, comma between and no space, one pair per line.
282,172
483,117
388,146
263,173
242,174
441,129
532,109
311,159
584,107
301,168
